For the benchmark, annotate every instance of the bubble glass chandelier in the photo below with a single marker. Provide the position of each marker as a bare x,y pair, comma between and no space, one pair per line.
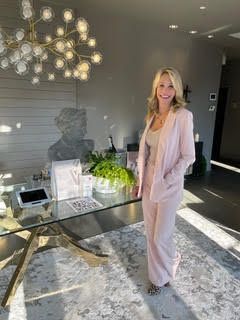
26,50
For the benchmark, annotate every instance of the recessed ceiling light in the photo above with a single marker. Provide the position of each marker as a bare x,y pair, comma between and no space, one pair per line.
173,26
193,31
203,8
210,36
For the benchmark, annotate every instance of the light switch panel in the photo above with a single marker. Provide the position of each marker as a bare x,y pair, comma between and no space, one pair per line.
211,108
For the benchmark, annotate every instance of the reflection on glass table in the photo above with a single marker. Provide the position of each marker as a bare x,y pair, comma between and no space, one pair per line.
37,226
56,210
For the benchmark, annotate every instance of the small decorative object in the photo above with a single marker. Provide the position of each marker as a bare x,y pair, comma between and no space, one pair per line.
86,185
132,156
111,147
186,91
196,138
199,166
46,171
84,204
109,176
30,49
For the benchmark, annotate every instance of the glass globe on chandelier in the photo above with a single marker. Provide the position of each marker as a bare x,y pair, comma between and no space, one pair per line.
62,50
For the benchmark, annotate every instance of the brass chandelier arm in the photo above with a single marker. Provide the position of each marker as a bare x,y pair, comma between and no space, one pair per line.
54,52
65,32
10,44
78,44
35,22
31,30
50,43
76,53
80,55
72,31
84,56
54,40
8,37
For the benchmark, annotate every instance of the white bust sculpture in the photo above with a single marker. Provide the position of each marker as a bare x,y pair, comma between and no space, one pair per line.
73,125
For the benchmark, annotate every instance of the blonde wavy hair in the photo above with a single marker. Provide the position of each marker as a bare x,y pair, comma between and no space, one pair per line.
177,102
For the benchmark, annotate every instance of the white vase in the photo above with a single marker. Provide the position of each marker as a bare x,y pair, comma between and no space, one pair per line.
105,186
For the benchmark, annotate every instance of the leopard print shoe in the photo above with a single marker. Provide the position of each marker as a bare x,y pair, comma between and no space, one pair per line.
154,290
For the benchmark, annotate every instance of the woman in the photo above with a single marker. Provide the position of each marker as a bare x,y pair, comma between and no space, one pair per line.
166,150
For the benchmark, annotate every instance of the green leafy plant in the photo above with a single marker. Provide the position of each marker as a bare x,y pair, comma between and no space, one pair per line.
105,165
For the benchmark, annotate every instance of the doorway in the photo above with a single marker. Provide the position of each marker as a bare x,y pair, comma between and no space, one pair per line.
219,122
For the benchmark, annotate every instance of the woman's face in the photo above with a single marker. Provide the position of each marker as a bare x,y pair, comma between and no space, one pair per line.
165,90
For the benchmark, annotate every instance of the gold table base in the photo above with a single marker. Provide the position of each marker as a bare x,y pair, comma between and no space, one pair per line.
39,237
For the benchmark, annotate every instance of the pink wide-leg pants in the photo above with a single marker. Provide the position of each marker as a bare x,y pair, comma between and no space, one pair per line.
159,221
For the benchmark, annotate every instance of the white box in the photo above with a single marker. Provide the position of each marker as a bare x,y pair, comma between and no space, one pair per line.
65,179
86,185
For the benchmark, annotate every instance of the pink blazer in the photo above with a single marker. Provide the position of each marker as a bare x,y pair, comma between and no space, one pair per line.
176,151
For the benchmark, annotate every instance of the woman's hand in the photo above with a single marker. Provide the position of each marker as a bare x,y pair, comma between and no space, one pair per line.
135,190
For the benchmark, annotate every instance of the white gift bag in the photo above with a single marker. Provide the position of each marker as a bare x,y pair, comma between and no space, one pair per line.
65,179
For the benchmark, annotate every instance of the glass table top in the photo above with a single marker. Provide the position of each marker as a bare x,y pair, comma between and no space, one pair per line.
14,219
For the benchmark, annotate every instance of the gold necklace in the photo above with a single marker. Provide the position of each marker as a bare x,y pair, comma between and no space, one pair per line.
161,118
161,121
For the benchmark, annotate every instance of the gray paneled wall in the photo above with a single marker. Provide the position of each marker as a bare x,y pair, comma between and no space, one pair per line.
27,112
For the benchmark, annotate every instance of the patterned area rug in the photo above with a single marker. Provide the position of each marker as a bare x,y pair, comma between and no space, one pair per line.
59,286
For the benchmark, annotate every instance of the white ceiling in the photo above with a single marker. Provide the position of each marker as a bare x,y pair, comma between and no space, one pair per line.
221,17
